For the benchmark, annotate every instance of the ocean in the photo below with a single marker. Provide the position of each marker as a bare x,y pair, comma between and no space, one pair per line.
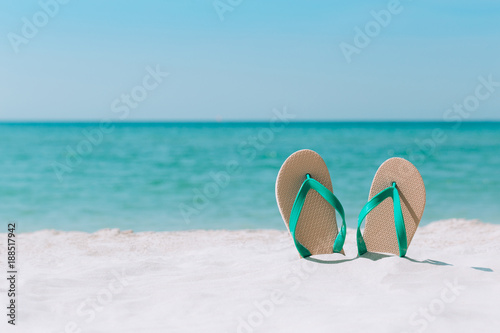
182,176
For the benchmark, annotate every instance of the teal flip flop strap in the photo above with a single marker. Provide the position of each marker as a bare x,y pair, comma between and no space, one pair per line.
308,184
399,222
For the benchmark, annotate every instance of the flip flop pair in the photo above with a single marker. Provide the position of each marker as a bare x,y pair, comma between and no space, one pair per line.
308,206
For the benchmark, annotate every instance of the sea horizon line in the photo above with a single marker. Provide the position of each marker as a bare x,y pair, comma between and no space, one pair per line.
237,122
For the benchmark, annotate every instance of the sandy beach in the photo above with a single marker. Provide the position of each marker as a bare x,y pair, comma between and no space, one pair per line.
253,281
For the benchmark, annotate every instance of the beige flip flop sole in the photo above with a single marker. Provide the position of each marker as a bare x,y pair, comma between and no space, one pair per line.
317,225
380,231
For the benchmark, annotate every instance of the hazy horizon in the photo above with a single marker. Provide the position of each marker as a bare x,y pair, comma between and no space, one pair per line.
238,121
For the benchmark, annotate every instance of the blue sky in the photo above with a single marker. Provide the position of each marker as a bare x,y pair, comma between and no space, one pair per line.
262,55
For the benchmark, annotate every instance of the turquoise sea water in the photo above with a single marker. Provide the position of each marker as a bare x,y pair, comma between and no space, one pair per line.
181,176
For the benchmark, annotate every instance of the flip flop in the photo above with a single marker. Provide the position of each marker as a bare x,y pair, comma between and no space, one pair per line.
391,224
309,215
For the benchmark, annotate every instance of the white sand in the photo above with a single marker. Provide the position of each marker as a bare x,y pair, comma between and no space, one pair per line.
253,281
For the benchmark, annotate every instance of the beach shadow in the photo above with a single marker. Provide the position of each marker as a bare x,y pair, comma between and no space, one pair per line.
329,262
428,261
441,263
373,256
369,255
377,256
484,269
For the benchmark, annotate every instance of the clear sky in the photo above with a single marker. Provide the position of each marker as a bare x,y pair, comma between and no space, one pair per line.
237,60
